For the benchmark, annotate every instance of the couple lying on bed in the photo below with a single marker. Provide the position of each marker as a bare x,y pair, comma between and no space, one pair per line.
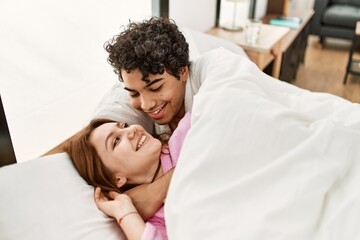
152,59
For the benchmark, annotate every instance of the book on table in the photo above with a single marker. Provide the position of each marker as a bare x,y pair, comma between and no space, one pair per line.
291,22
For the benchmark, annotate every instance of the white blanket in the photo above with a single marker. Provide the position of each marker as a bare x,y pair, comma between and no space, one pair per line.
265,160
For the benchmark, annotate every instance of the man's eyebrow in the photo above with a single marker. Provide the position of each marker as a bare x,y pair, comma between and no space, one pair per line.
153,82
148,84
128,89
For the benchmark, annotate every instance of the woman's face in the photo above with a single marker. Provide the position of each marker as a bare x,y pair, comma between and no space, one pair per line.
160,96
127,151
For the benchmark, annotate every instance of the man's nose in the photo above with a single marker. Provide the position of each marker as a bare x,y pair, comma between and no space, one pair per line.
147,102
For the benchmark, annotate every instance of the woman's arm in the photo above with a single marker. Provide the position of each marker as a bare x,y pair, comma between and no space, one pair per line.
148,198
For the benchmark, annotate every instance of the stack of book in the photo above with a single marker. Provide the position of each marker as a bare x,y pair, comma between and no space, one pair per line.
291,22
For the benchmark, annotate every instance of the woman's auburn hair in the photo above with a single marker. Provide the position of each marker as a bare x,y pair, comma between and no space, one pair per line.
87,161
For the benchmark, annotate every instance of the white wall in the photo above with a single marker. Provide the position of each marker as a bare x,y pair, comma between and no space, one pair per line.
53,68
242,11
197,15
260,9
301,4
227,13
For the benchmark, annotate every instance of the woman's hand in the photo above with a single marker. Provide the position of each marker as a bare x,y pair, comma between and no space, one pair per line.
120,207
117,206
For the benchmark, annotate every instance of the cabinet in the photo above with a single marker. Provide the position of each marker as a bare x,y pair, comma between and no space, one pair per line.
294,55
293,45
353,66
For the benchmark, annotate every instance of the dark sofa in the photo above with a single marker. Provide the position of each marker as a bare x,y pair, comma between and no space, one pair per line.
335,18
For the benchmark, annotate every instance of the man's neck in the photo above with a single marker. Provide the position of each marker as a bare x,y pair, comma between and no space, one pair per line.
175,121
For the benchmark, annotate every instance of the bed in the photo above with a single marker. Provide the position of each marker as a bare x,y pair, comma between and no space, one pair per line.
263,160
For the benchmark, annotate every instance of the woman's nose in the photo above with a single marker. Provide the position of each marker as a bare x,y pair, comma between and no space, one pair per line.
131,131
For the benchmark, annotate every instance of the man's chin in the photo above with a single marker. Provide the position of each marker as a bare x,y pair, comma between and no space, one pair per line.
161,121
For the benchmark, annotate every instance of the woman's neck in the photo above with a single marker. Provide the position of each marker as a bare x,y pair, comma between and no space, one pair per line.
158,173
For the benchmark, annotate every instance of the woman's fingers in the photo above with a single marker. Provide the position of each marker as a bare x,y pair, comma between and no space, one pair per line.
99,195
113,194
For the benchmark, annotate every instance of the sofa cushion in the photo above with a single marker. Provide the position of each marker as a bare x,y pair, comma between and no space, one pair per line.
342,16
346,2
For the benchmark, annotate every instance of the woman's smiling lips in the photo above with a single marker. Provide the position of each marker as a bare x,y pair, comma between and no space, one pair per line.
141,142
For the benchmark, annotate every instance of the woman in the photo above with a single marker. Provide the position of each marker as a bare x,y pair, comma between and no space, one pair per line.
114,157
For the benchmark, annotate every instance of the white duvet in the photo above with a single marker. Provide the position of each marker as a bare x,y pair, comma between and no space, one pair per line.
265,160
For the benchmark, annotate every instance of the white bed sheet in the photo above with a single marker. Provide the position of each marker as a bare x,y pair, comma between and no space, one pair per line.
265,160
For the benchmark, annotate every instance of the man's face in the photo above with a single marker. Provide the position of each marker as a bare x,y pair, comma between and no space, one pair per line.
160,96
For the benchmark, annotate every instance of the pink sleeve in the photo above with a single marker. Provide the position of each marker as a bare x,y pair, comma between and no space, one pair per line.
178,137
152,232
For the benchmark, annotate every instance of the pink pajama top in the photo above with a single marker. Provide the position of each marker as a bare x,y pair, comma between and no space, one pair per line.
155,226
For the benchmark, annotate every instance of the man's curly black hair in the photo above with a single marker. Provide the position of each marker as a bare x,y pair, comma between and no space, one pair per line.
152,46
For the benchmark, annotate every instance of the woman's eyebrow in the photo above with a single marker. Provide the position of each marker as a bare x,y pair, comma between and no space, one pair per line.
107,139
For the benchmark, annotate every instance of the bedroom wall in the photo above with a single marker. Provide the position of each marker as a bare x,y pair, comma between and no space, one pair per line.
53,68
301,4
186,12
197,15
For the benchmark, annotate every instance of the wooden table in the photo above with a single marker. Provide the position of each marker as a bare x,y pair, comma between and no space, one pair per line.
263,52
274,41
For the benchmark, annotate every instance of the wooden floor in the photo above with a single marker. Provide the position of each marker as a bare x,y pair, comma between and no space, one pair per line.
324,69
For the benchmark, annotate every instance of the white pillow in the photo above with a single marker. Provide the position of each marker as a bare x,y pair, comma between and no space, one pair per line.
45,198
115,105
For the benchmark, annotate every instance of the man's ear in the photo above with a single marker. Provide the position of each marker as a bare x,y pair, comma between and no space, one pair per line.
184,73
120,181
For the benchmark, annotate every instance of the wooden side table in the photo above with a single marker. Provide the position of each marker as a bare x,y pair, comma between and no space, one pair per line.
277,44
353,66
293,45
268,48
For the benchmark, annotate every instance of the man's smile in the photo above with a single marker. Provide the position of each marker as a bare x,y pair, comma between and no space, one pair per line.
158,113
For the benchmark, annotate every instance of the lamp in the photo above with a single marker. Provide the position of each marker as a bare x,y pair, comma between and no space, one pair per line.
233,26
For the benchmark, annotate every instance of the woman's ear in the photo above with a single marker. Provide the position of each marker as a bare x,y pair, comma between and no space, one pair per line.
120,181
